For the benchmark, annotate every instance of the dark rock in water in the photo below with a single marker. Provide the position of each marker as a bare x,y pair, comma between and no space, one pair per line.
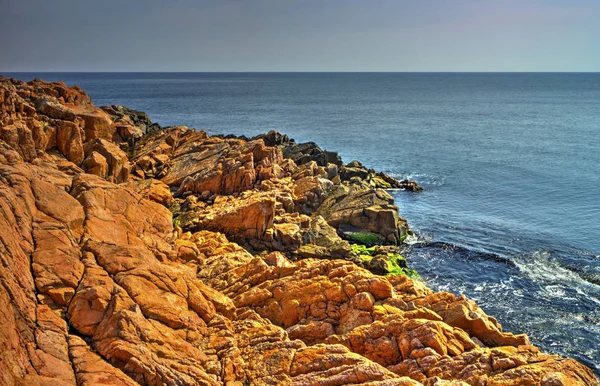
365,211
128,117
275,138
399,184
305,152
355,164
351,170
380,180
301,153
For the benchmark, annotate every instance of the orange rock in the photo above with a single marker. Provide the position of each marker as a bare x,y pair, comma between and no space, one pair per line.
118,163
91,369
55,110
98,124
310,192
19,137
248,217
69,139
151,189
95,163
151,304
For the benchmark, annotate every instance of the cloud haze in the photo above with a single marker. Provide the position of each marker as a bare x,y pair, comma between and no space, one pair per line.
300,35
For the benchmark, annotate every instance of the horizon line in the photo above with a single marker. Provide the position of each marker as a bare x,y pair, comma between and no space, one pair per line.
299,72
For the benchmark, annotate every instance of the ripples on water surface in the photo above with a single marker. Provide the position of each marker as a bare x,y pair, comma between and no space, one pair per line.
510,164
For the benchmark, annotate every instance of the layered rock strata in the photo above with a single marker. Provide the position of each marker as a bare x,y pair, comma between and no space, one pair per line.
100,285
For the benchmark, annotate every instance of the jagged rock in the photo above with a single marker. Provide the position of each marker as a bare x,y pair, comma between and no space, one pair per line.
274,138
131,123
310,192
354,169
115,158
20,138
308,152
98,124
54,109
362,209
91,369
129,132
197,164
37,116
69,140
322,241
100,287
95,163
334,302
300,153
248,217
152,189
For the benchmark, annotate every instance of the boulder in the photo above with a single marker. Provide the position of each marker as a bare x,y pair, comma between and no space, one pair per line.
131,123
116,159
310,192
95,163
69,140
249,217
98,124
54,110
363,210
129,132
20,138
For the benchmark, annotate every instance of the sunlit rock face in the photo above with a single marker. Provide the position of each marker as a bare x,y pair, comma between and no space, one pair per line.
249,283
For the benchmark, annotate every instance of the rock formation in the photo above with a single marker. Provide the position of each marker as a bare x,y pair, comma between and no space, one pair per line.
249,284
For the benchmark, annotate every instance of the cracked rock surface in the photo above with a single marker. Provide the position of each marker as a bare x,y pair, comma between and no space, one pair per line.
249,284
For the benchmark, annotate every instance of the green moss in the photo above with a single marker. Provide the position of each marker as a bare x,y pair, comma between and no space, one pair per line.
366,258
397,266
409,232
176,222
365,253
381,183
396,263
366,238
362,250
404,271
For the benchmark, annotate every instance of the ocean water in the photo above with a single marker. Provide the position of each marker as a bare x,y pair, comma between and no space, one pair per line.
510,163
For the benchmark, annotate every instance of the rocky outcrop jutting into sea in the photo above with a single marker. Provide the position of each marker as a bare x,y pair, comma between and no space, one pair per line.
136,255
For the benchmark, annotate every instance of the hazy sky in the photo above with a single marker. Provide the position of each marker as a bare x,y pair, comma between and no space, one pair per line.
300,35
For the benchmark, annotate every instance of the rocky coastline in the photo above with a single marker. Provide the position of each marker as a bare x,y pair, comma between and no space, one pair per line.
134,254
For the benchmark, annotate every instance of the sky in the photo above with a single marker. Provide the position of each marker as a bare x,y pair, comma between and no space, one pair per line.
299,35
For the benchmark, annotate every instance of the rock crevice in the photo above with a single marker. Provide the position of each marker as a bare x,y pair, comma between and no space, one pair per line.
135,255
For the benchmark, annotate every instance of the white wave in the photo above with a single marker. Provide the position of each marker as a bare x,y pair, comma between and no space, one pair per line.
555,291
554,278
420,178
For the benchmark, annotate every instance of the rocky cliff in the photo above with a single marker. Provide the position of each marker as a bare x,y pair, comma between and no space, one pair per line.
135,255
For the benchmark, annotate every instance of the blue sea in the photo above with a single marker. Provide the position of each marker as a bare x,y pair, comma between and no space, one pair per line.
510,163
